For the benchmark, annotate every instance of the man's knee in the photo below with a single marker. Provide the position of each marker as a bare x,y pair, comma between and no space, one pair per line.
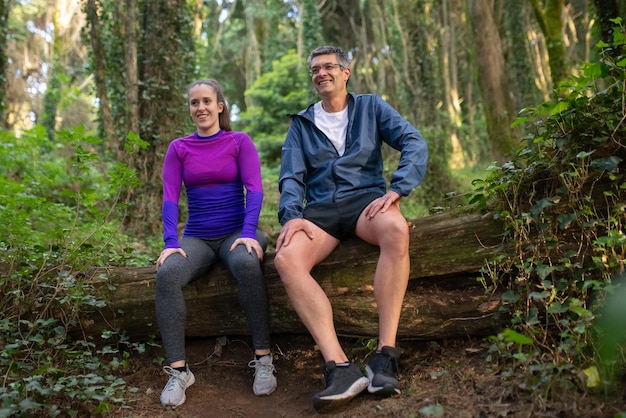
396,236
280,263
284,264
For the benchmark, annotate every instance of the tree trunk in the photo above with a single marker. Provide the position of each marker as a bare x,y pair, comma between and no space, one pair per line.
492,79
444,297
130,64
551,19
100,76
166,44
5,8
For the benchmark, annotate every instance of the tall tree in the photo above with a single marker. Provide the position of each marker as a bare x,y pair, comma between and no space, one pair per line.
154,109
130,65
451,96
165,70
27,56
5,8
551,19
66,67
492,79
517,53
107,125
44,65
310,34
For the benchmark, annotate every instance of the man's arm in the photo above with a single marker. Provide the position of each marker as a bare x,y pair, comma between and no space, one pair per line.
403,136
291,181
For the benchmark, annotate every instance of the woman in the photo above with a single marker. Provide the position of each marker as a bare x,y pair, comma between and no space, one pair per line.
215,164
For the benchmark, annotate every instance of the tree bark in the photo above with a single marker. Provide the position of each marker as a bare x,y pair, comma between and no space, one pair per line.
551,19
444,297
97,47
492,79
5,8
130,64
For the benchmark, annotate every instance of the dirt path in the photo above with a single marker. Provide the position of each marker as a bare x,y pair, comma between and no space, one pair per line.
444,379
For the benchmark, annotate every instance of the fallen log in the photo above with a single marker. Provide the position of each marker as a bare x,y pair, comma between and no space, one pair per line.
445,299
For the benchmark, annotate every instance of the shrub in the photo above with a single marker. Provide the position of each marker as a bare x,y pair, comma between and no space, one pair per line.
60,219
562,200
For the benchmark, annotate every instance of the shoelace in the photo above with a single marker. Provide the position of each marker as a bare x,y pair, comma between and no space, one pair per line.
175,377
262,369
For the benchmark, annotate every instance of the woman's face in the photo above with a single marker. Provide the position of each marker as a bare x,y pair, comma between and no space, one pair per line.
205,109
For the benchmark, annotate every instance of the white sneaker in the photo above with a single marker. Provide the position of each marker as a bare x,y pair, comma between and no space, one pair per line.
174,391
264,379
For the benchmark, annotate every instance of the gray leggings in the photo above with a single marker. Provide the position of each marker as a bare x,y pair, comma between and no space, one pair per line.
177,271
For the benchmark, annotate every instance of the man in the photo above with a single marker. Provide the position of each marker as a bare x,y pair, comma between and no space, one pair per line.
332,187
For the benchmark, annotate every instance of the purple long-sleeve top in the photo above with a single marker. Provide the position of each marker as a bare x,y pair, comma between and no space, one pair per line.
215,170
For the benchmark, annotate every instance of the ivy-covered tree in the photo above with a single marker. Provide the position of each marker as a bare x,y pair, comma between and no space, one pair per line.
550,16
5,6
151,89
493,81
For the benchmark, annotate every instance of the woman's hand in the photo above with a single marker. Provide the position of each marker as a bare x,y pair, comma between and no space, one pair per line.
251,245
167,252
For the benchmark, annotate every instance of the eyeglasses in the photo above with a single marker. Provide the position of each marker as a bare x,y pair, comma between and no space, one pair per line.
327,67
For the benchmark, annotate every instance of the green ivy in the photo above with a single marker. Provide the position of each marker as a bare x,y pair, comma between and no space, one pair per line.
61,217
562,202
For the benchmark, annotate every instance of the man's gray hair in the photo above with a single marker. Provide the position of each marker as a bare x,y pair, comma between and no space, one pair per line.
342,56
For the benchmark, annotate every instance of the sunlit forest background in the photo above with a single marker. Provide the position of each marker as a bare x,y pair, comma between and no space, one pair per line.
459,70
521,103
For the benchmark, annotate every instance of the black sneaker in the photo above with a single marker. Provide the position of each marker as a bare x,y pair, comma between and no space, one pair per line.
382,370
342,384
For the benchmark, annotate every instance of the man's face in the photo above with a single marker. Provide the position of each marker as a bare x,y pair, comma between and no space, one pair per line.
327,75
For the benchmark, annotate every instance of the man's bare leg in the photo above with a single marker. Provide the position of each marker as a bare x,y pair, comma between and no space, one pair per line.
294,263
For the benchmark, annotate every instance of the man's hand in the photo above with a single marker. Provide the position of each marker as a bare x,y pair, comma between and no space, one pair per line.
167,252
251,245
382,204
290,228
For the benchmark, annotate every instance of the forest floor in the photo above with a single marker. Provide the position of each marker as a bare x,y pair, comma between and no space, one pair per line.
438,379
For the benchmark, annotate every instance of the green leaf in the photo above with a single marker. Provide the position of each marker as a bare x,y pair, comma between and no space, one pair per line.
565,219
559,108
593,377
538,295
557,308
544,270
593,70
516,337
584,154
540,206
510,296
519,121
103,407
581,312
609,164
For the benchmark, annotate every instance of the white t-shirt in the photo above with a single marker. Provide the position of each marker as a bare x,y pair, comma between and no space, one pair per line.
334,125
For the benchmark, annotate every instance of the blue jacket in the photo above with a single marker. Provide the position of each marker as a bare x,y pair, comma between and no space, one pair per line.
313,172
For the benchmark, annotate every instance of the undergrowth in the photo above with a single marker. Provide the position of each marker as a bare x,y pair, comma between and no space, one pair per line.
561,268
61,219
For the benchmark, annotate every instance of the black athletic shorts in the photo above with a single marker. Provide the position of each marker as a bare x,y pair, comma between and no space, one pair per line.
339,218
